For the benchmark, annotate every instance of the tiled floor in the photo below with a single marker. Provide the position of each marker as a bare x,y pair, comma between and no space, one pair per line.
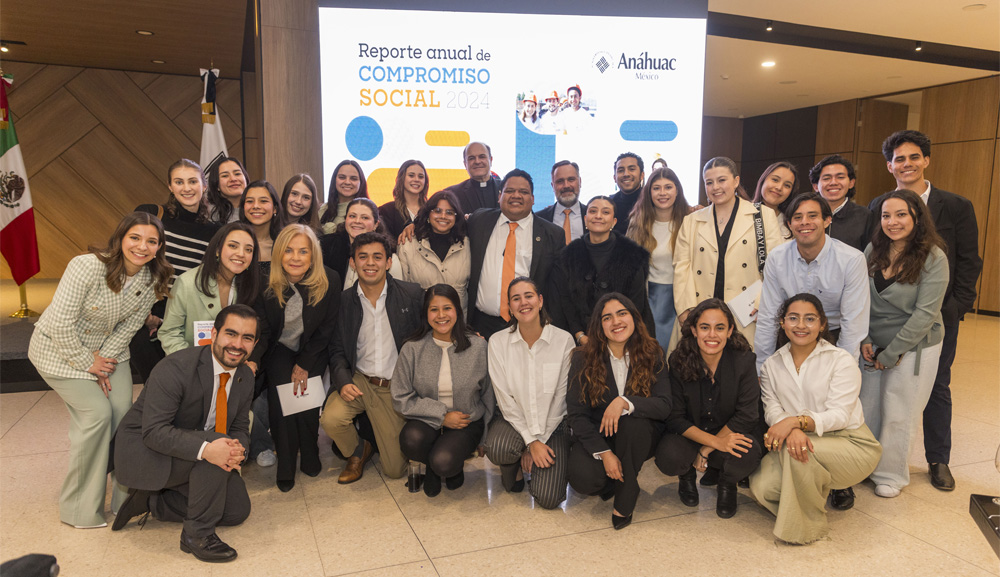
375,527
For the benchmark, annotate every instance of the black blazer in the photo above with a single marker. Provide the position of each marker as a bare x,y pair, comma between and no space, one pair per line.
853,225
472,197
549,239
586,420
391,220
955,219
336,248
404,307
739,396
318,323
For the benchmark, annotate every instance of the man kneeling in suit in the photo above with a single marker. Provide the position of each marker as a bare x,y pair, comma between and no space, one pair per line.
180,446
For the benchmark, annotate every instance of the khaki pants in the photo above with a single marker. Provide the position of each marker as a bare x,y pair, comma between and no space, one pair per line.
796,492
338,415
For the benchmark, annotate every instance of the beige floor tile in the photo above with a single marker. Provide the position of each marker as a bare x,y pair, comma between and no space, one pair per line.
975,391
418,569
979,338
13,406
43,429
979,478
972,441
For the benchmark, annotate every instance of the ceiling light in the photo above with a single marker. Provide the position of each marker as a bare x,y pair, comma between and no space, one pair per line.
3,48
157,61
973,7
769,26
920,46
143,32
767,63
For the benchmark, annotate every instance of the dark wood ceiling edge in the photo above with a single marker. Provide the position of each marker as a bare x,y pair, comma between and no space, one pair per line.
748,28
161,73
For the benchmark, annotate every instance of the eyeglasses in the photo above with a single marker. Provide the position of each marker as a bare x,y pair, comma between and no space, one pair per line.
808,320
444,211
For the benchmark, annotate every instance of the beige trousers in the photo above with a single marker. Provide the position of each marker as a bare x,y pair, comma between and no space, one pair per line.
338,415
796,492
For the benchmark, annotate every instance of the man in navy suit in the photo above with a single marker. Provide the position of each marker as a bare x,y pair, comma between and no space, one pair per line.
567,212
907,154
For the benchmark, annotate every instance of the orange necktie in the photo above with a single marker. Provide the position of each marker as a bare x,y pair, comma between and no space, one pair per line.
220,404
566,226
509,252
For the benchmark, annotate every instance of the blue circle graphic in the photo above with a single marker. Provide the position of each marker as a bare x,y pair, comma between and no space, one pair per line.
364,138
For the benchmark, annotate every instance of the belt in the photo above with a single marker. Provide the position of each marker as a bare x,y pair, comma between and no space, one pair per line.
378,382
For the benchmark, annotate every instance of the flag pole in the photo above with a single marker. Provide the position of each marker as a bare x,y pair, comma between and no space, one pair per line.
24,312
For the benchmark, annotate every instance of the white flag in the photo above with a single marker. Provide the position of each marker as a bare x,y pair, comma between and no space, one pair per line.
213,143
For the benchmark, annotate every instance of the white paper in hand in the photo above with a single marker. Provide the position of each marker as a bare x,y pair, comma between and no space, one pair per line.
312,398
743,304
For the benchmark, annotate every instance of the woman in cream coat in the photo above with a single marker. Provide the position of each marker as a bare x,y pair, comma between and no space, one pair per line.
697,253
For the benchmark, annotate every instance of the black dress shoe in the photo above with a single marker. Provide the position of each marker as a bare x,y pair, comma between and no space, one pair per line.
210,549
710,478
842,499
725,505
457,481
687,488
744,483
137,503
432,483
619,522
518,486
285,486
941,476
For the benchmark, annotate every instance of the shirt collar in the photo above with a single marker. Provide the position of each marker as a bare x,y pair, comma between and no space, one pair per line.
385,288
927,192
822,252
521,223
545,336
218,369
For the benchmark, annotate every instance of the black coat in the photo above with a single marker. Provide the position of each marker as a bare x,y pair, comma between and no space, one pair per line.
853,225
336,248
739,396
403,306
472,197
318,324
578,285
391,220
955,219
585,420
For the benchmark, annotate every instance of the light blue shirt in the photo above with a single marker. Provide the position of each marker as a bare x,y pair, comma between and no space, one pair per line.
838,276
575,218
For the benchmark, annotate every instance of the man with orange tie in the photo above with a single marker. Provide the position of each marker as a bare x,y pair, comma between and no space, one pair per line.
507,243
180,447
567,213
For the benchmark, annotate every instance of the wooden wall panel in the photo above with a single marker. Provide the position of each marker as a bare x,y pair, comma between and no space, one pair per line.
964,168
720,136
96,146
962,111
835,128
989,282
873,177
879,119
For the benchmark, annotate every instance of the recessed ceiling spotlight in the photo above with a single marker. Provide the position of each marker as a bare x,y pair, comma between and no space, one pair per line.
158,61
769,26
767,63
973,7
143,32
788,82
3,48
920,46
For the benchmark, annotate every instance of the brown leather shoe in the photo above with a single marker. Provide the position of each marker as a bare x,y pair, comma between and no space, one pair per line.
355,467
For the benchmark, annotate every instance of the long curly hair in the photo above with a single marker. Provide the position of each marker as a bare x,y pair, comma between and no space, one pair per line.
248,283
422,226
924,237
114,260
686,360
640,226
644,353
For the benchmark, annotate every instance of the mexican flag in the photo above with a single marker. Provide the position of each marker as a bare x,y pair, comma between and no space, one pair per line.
213,144
17,236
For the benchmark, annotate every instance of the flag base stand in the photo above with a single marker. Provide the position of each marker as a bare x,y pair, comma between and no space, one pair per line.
24,312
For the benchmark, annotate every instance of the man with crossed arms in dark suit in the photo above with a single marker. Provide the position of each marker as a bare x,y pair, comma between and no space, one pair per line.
535,243
178,452
907,154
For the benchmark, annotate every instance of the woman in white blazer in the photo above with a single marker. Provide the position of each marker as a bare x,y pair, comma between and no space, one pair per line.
704,267
82,339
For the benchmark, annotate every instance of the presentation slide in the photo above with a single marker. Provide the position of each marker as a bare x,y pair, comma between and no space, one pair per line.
537,88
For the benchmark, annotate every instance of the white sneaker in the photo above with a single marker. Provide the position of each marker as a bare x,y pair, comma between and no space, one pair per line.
886,491
267,458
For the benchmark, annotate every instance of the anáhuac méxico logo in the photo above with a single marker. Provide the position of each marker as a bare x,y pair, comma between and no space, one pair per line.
642,63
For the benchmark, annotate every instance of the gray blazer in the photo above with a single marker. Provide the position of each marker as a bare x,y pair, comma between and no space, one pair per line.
168,419
414,383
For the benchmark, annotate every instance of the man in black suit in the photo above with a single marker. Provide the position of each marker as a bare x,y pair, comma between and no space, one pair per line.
566,184
481,189
534,241
629,177
907,154
179,453
834,178
376,315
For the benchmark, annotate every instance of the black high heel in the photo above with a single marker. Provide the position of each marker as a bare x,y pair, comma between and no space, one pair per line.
620,522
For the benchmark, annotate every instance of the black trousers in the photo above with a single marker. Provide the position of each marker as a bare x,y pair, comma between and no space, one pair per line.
675,456
633,444
144,353
937,413
294,434
443,450
486,325
202,496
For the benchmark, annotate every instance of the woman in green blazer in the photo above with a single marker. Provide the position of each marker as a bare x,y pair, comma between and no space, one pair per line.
228,274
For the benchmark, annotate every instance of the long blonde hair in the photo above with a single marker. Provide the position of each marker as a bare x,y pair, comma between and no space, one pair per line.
640,227
315,279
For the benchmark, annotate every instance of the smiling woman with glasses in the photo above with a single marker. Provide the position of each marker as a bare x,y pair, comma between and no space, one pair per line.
440,251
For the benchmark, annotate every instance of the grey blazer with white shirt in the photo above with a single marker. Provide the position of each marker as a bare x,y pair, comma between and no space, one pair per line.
414,383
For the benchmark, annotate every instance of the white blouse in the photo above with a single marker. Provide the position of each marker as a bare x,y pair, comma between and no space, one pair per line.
825,388
445,388
661,261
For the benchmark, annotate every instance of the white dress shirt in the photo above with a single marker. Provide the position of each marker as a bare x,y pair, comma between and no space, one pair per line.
488,292
575,219
530,382
217,369
377,352
825,388
620,369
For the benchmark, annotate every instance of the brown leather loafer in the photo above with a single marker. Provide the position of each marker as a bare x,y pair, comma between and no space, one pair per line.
355,467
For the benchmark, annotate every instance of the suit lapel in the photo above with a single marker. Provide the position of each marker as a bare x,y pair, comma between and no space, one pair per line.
935,205
232,404
210,303
742,225
206,380
707,229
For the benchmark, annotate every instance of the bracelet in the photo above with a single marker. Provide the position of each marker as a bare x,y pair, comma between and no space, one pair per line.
803,422
702,455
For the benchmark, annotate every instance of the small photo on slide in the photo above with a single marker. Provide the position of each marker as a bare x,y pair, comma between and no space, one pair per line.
560,114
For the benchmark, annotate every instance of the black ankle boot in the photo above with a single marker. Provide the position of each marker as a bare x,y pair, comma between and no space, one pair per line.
432,483
725,505
687,488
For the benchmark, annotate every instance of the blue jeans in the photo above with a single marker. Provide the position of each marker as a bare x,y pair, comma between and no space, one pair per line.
260,439
661,301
